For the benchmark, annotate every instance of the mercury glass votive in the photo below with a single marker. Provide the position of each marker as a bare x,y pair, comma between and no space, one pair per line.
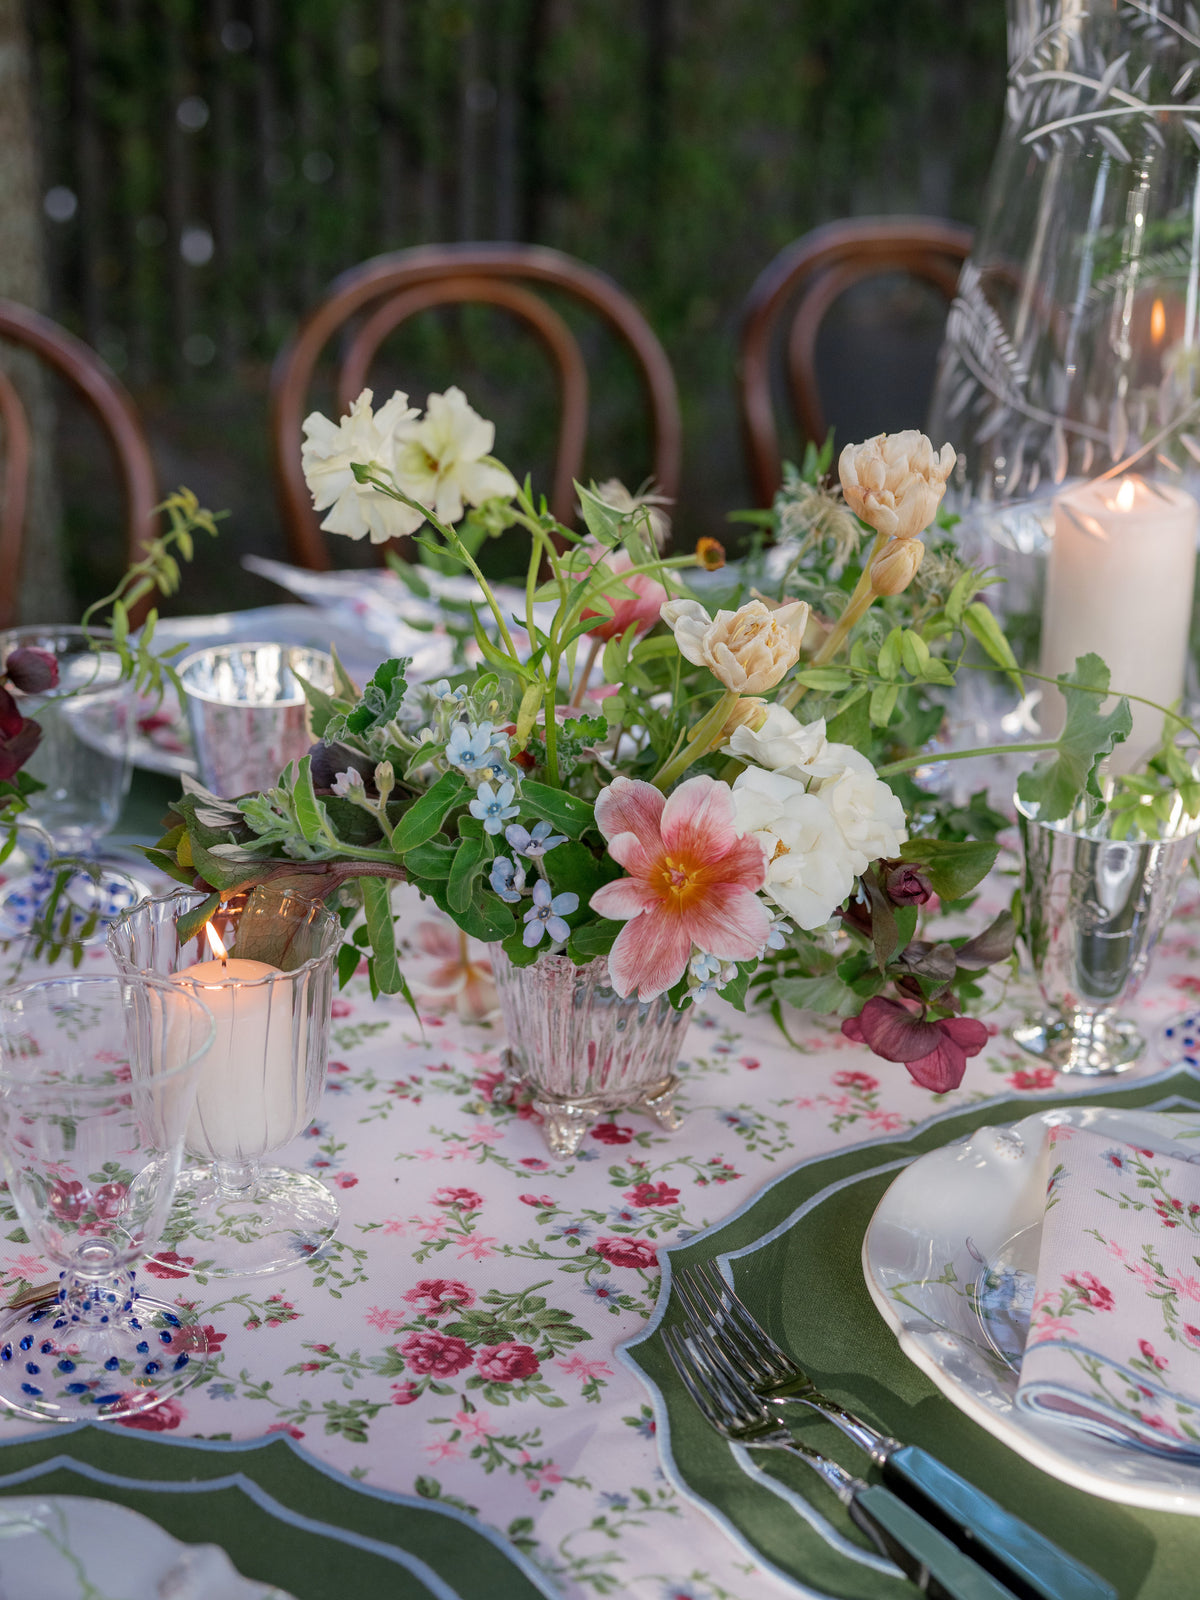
247,711
265,967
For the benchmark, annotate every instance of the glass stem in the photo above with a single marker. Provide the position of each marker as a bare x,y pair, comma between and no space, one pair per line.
235,1179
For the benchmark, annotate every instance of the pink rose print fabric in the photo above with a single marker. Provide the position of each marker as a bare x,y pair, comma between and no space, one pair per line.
1114,1337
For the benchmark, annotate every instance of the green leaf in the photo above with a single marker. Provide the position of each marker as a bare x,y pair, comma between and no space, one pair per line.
953,868
322,707
422,820
565,812
914,653
381,698
593,939
344,685
517,951
348,957
964,590
982,623
433,859
829,680
888,664
191,922
468,861
883,703
827,995
309,811
377,907
602,521
1056,785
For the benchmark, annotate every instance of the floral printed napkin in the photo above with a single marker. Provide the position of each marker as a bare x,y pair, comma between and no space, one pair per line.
1114,1336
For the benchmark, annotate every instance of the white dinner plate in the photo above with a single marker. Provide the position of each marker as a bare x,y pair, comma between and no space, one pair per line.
949,1259
62,1547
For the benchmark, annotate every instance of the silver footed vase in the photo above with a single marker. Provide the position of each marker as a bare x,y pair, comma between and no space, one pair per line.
581,1050
1094,910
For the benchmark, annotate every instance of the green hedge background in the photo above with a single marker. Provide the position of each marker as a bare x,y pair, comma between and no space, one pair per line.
209,165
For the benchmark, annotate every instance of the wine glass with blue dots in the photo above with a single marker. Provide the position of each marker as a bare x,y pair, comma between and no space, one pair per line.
97,1080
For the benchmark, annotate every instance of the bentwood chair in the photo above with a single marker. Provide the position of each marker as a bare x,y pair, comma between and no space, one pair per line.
100,389
369,302
791,298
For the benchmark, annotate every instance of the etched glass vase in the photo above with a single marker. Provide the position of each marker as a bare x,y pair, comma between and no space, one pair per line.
581,1049
1071,348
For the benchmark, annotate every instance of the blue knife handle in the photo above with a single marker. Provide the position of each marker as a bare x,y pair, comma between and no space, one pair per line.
1028,1563
928,1559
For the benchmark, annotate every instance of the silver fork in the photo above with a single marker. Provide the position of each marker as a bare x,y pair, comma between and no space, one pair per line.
927,1557
736,1347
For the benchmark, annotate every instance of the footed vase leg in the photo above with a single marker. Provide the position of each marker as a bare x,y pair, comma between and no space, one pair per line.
661,1106
564,1125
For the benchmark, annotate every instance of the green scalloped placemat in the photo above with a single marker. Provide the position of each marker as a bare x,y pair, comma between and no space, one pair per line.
806,1285
280,1516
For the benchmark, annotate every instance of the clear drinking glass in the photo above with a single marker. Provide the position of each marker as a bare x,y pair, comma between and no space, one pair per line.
87,722
97,1080
260,1083
247,712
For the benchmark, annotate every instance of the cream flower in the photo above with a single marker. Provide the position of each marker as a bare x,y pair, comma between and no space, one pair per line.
749,650
809,872
783,744
894,569
869,816
331,450
440,460
895,482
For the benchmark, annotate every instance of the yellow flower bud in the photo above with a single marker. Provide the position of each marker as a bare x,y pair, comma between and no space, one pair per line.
892,571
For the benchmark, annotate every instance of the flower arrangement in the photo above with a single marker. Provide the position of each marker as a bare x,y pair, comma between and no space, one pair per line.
621,770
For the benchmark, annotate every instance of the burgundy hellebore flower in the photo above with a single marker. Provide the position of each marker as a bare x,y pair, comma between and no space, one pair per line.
907,886
30,670
935,1053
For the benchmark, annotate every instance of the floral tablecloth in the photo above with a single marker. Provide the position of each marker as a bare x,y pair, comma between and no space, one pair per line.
457,1340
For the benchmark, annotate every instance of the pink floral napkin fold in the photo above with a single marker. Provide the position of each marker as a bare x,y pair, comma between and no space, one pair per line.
1114,1336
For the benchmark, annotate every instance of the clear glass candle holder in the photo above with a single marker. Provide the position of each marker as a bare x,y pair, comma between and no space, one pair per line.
271,998
97,1081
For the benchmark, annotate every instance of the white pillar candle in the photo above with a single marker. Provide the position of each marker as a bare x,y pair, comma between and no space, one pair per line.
251,1097
1121,570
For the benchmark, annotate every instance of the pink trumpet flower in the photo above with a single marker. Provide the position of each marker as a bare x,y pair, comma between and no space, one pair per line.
692,881
639,609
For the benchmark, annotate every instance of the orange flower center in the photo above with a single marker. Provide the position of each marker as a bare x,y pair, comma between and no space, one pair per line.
681,882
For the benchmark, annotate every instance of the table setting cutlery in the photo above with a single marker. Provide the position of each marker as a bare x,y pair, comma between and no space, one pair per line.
735,1355
936,1566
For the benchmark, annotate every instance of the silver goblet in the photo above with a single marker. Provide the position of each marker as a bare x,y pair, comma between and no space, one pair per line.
1094,909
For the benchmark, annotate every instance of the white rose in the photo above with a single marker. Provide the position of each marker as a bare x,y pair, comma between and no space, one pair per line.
440,460
809,873
895,482
748,650
782,743
330,451
867,813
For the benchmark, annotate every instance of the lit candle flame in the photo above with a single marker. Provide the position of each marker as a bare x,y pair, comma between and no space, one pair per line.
1158,322
214,941
1125,494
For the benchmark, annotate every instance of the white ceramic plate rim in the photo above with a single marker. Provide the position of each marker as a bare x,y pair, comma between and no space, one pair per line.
1027,1436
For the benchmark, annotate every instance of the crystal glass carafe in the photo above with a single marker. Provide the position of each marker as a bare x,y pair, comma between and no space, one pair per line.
1071,349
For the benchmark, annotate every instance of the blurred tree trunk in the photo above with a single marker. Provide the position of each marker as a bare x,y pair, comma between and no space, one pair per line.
23,278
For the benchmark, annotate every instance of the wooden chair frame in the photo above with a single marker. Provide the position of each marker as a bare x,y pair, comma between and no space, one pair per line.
96,383
815,271
409,281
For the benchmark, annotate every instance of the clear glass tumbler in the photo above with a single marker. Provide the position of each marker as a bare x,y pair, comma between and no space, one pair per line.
271,996
97,1081
87,722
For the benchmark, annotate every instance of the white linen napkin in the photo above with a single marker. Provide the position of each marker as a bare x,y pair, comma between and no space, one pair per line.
1114,1337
